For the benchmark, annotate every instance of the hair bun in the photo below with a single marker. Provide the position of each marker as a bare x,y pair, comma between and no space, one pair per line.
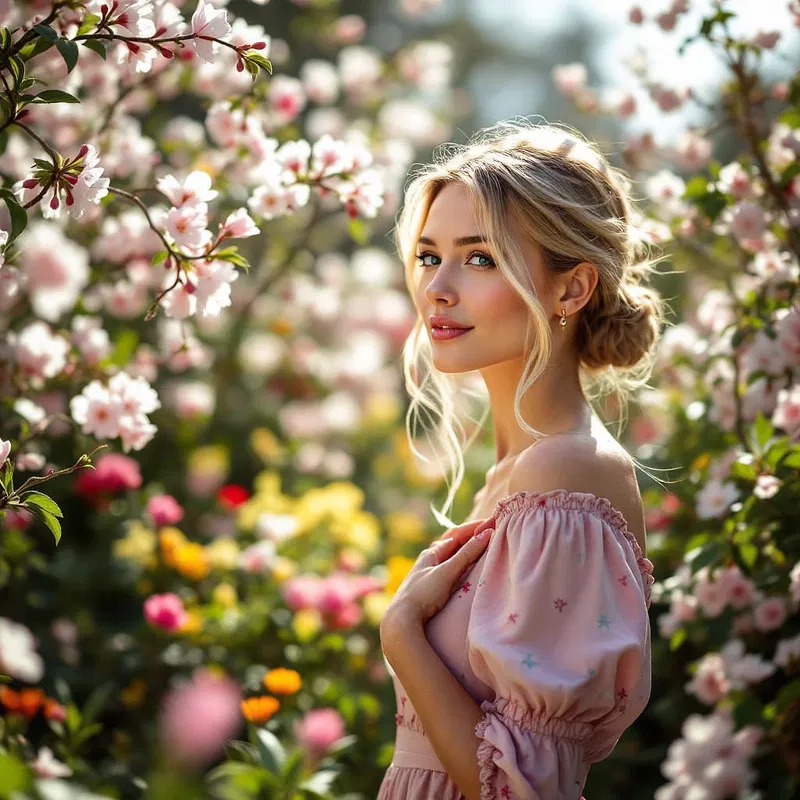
624,332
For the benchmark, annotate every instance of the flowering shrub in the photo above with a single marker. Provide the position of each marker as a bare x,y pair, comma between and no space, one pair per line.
178,209
726,410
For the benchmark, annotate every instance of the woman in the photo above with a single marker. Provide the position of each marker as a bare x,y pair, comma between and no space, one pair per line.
520,657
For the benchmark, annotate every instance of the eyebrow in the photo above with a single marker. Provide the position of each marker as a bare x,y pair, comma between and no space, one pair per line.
465,240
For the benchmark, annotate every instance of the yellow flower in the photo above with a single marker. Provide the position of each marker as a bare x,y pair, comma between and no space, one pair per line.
283,568
138,545
283,681
398,567
361,530
266,445
170,539
306,622
224,594
133,694
223,553
405,526
190,559
375,605
211,458
259,709
381,408
193,623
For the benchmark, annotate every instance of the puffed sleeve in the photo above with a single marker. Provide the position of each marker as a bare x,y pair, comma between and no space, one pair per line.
559,629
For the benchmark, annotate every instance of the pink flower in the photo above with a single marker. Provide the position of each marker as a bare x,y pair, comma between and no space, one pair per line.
164,510
635,15
770,614
208,23
740,590
569,78
335,595
165,611
766,39
302,591
198,718
5,450
347,617
238,225
113,472
709,683
319,729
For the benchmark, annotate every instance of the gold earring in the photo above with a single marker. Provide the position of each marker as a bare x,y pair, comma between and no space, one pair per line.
563,317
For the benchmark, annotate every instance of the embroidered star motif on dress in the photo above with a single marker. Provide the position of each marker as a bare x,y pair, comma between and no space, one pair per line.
512,617
465,588
603,622
559,603
528,661
624,580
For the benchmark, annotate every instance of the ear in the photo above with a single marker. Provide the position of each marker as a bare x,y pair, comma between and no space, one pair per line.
575,288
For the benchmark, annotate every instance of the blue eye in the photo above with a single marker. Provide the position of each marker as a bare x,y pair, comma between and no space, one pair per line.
475,254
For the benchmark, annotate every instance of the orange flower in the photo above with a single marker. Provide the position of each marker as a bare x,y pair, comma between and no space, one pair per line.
9,698
170,538
259,709
54,710
30,701
191,560
283,681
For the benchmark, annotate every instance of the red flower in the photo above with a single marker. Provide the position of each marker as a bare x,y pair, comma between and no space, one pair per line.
232,495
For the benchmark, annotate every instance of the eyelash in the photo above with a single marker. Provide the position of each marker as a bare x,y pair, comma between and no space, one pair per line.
421,257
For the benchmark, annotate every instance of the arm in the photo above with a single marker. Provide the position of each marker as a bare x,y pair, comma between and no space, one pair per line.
447,711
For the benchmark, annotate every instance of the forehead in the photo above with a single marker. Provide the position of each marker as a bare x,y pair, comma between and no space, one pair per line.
451,209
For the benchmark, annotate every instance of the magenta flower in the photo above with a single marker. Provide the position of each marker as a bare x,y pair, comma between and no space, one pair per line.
165,611
164,510
198,718
319,729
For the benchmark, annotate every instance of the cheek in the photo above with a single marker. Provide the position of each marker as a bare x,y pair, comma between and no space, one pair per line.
499,307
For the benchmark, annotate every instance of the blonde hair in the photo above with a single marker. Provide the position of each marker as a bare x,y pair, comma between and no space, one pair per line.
563,194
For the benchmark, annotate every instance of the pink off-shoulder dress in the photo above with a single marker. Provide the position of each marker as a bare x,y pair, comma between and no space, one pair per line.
549,633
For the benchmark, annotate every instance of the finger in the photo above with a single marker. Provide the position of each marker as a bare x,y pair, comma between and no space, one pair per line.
463,533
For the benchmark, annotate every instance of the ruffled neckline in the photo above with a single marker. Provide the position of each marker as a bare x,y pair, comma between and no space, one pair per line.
583,501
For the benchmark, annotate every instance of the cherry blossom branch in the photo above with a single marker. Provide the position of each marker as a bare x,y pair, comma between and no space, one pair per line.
35,480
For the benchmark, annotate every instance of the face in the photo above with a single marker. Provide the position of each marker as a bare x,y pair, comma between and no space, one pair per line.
458,277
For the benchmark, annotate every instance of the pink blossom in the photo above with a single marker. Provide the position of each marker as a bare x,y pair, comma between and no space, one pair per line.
747,221
666,20
337,592
736,180
113,472
319,729
46,765
238,225
258,557
787,413
635,15
198,718
194,189
787,651
347,617
743,624
770,614
208,23
740,590
287,97
767,486
302,591
766,39
164,510
709,683
165,611
569,78
5,450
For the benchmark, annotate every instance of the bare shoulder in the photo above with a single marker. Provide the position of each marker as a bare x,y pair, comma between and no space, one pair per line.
583,464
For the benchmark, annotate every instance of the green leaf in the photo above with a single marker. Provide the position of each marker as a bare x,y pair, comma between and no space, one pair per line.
358,231
15,777
319,783
788,695
49,520
126,344
763,430
748,712
7,476
273,756
159,258
43,501
89,22
749,554
5,38
46,31
19,218
40,46
96,46
69,52
705,555
256,57
55,96
237,775
95,702
677,639
244,752
792,460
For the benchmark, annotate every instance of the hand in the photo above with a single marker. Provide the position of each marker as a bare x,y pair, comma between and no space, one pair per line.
433,578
